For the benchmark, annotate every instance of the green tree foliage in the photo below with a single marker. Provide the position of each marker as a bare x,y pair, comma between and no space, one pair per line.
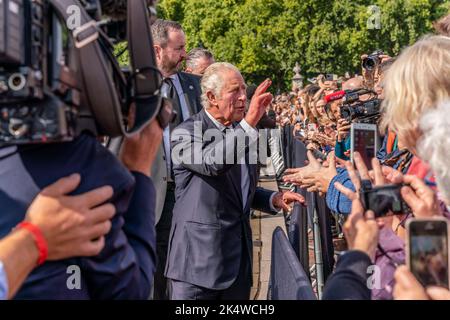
264,38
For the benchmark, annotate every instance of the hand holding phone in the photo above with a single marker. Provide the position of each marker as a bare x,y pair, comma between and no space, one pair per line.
312,127
364,139
421,198
384,199
427,251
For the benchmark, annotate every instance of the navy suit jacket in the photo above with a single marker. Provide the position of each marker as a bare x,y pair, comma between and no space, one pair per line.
192,90
210,225
349,280
124,268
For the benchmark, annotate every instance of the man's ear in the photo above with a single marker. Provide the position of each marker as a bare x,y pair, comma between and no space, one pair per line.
211,98
158,51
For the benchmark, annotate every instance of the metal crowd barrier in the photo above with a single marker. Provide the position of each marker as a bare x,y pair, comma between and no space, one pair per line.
288,152
288,279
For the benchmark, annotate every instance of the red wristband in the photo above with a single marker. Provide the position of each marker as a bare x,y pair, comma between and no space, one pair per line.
39,239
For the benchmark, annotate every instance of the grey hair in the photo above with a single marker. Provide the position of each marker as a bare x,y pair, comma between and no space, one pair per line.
195,54
433,146
213,81
160,31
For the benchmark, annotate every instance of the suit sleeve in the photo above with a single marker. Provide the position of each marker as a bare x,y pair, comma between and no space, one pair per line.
262,200
124,269
191,150
349,281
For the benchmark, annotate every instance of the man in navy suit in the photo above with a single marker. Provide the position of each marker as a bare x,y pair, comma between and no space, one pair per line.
124,268
210,246
169,43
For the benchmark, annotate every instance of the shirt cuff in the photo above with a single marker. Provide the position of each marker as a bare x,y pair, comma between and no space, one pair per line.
271,203
252,132
3,283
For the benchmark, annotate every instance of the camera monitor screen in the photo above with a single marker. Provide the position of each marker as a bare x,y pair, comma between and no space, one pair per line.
386,199
364,139
428,252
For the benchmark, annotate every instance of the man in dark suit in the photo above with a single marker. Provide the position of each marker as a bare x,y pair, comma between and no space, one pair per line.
210,247
184,90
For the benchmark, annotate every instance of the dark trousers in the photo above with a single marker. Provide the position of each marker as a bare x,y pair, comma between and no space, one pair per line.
239,290
162,242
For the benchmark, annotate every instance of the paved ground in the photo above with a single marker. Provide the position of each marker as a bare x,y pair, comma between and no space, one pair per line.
262,226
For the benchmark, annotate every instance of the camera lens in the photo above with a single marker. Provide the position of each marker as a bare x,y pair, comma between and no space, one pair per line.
17,128
16,82
346,112
369,63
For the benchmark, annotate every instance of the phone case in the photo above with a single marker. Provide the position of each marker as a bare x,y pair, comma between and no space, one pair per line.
408,241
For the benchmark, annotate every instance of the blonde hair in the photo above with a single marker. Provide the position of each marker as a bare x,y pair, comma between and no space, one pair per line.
415,83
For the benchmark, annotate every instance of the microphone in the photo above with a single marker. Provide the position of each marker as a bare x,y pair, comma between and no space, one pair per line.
334,96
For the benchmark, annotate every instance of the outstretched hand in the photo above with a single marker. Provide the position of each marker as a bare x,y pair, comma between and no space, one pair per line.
296,175
283,200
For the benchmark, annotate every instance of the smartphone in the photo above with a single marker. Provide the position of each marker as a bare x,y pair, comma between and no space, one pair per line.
312,127
384,199
427,251
319,155
364,139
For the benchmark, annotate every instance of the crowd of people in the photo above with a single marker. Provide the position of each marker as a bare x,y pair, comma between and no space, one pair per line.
413,123
140,223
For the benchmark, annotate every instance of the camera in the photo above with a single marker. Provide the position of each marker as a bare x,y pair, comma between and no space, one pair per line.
367,111
384,199
59,80
372,61
330,77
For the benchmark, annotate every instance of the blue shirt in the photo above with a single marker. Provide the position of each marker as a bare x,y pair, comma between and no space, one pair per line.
3,283
341,147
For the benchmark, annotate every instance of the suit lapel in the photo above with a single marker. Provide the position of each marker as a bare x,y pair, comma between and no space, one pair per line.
188,103
188,93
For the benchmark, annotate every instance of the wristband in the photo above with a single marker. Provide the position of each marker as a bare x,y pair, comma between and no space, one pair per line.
39,240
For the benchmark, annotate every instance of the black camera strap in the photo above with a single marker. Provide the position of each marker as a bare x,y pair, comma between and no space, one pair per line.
98,84
99,69
146,78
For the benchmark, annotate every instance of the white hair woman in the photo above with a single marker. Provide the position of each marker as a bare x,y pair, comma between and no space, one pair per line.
434,146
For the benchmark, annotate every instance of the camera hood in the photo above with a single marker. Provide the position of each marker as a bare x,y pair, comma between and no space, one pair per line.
105,87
